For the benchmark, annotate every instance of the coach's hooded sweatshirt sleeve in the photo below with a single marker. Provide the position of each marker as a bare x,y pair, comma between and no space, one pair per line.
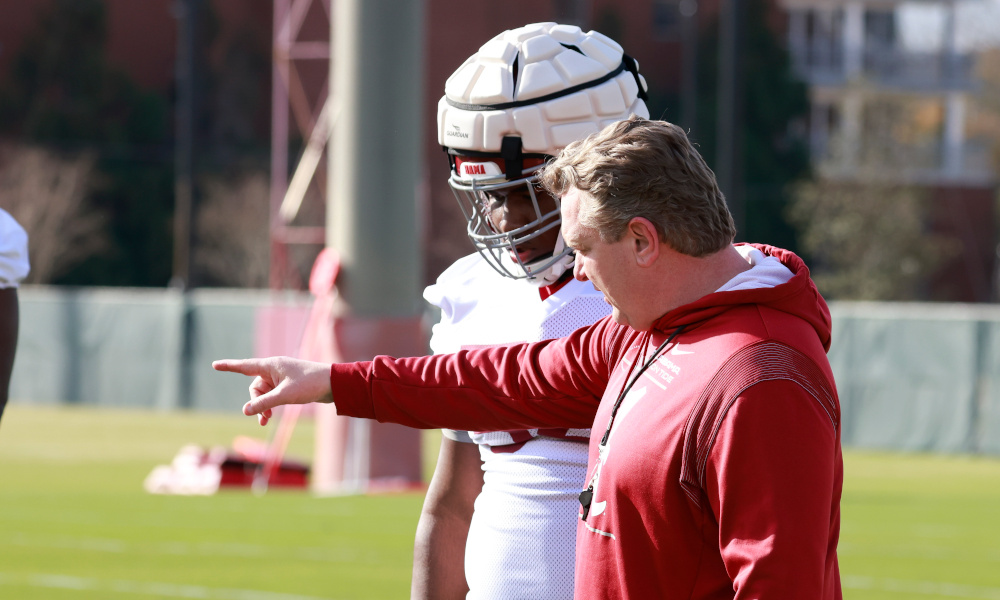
555,383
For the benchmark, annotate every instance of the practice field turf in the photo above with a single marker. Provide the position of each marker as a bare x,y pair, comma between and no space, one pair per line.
75,522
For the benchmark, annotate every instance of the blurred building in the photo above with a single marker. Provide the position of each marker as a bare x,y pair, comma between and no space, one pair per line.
887,109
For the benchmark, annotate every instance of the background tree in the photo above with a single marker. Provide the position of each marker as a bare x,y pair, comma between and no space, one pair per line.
868,240
868,232
774,150
49,196
231,231
63,94
233,225
985,124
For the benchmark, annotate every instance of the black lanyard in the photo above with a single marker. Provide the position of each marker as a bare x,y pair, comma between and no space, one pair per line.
587,495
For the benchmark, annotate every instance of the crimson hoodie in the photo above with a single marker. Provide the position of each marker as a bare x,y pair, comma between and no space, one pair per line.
722,474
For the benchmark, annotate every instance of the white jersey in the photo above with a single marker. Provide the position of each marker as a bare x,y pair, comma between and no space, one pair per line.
13,251
522,540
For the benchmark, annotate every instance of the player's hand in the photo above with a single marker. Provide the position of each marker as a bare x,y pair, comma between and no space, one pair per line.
280,380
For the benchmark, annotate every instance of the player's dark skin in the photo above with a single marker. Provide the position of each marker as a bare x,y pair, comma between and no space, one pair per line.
8,339
511,209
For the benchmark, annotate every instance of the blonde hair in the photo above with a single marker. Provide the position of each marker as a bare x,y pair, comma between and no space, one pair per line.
641,168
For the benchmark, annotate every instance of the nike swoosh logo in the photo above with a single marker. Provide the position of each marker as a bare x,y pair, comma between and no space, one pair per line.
598,508
677,351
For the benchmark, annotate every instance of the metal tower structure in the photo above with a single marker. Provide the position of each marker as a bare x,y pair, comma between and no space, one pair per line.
299,92
371,219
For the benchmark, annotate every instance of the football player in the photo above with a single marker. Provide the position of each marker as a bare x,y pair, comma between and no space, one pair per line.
13,268
507,501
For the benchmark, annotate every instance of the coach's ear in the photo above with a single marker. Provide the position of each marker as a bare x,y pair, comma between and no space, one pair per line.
644,240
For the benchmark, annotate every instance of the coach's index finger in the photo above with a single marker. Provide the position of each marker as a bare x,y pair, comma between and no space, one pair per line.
246,366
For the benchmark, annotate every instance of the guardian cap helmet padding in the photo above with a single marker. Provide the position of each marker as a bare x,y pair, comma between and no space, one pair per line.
518,101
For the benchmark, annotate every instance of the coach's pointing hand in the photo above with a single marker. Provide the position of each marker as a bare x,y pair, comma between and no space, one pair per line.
280,380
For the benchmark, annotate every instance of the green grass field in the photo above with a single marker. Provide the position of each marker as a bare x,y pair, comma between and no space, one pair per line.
75,522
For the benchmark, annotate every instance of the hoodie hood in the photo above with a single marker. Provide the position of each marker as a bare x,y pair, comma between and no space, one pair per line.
798,297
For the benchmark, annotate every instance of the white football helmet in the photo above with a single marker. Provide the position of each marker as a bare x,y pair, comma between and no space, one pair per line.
515,103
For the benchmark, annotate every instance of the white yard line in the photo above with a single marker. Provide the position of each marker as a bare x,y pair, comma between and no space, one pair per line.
114,546
163,590
923,588
925,552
